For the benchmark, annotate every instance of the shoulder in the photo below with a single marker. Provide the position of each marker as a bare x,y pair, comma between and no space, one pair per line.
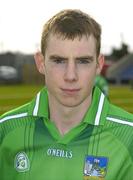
16,117
15,113
119,115
15,121
120,126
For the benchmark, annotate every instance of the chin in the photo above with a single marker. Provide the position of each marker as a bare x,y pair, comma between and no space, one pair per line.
70,104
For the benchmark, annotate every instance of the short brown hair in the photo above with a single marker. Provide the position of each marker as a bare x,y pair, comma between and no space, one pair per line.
71,24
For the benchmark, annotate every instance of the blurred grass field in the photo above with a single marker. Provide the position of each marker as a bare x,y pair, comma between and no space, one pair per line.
12,96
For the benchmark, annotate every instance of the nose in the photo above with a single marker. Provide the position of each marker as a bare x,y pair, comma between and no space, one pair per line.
71,72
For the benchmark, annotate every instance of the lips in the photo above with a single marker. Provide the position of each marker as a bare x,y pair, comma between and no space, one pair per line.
70,91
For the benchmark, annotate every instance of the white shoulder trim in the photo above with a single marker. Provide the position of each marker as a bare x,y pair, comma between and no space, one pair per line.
13,117
120,121
35,111
100,106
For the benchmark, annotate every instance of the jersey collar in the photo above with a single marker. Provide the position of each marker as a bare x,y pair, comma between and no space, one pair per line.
96,114
39,105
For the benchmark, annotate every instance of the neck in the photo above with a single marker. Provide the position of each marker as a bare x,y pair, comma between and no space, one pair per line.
65,118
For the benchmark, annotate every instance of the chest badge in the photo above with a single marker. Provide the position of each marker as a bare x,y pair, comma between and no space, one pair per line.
95,167
21,162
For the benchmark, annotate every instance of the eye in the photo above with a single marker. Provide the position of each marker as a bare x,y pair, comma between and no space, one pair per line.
59,61
84,61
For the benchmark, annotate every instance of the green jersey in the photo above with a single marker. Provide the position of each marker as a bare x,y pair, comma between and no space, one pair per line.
99,148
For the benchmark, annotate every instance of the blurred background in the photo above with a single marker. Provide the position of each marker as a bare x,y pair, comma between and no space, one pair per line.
21,24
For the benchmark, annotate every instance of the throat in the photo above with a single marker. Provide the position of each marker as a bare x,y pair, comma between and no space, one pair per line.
65,117
67,120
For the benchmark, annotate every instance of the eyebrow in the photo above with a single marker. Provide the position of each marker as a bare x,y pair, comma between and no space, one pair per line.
85,57
52,57
57,57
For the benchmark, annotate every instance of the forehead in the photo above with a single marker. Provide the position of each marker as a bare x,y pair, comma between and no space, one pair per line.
82,46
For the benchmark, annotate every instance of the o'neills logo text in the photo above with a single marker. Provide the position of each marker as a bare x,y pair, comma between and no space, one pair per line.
59,153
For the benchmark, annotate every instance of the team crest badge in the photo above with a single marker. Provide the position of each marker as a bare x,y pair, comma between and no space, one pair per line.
21,162
95,168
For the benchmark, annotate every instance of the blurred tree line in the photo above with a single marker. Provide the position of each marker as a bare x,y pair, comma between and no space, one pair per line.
117,54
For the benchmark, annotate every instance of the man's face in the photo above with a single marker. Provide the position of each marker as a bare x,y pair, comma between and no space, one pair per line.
70,67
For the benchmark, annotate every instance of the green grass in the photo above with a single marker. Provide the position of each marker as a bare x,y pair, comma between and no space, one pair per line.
122,96
12,96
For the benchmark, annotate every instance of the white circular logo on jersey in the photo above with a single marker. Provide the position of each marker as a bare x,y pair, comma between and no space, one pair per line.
21,162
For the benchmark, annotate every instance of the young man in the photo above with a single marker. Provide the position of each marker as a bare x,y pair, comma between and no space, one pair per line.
69,131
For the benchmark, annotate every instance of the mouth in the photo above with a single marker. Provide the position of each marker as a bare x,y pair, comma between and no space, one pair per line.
71,91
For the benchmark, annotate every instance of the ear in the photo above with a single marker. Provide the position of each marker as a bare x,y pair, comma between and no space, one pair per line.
100,63
39,60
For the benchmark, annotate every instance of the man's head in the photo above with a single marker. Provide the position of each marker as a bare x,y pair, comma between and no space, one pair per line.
70,57
70,24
